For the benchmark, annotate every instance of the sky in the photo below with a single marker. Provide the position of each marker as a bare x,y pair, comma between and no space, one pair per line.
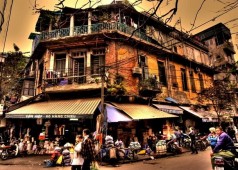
202,13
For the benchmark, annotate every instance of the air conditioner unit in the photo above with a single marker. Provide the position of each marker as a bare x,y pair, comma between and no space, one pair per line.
137,70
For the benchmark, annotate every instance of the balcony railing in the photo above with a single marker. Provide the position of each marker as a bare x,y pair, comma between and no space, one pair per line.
95,28
229,46
68,76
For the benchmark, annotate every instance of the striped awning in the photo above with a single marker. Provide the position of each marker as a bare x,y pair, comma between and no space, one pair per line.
77,108
169,109
206,116
139,111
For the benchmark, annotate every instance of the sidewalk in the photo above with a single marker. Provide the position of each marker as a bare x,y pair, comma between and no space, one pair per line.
37,160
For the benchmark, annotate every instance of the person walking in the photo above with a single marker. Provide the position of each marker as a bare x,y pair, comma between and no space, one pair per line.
88,150
193,141
212,137
77,161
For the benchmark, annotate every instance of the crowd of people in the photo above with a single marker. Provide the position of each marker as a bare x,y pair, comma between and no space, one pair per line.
83,153
84,149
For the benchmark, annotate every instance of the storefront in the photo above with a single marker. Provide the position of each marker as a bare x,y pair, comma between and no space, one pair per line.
57,119
146,121
199,119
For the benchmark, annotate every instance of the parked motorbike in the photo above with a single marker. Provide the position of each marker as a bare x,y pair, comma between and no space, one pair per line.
9,151
186,141
202,142
173,147
226,163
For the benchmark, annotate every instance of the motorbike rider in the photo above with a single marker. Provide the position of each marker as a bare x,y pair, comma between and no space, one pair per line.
224,142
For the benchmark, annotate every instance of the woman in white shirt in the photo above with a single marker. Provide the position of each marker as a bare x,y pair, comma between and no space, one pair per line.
77,161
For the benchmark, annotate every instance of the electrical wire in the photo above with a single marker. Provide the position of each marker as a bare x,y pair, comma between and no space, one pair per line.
2,14
7,26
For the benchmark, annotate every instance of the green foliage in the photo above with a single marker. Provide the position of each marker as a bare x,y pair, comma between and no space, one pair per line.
12,68
221,97
150,83
117,87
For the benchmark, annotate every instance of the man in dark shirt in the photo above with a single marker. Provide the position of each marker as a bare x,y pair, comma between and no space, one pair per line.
88,150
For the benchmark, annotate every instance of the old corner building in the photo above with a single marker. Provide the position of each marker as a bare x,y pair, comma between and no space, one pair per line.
150,73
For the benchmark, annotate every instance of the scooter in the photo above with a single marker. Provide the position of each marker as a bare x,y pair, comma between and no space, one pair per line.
225,163
173,147
9,151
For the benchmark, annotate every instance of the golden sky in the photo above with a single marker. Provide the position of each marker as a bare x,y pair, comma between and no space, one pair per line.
23,18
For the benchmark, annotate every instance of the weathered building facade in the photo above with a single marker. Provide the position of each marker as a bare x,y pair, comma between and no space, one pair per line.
76,50
221,50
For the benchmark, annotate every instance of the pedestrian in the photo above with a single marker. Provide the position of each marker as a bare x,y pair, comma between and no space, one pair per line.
231,133
178,136
212,137
77,161
192,136
88,150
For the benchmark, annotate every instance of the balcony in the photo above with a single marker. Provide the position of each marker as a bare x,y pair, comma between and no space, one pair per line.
67,80
149,87
30,74
228,46
92,29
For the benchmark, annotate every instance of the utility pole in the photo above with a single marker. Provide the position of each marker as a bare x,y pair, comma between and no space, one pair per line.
104,124
2,60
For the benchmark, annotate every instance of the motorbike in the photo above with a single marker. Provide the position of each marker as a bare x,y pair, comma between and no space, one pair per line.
7,151
202,142
226,163
173,147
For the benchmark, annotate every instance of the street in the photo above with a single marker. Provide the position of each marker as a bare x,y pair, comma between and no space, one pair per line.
185,161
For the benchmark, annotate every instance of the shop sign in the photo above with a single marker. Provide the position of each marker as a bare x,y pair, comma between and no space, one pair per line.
171,111
46,116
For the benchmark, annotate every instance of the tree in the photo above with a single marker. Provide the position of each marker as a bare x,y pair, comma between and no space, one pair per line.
14,64
221,97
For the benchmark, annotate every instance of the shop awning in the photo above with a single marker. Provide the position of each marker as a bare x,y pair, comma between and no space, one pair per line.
169,109
170,99
115,115
206,116
77,108
139,111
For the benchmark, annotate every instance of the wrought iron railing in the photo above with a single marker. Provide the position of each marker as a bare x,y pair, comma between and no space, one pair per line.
95,28
68,76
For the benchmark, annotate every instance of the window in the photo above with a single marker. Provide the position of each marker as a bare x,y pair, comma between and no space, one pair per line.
173,76
79,70
184,79
60,60
162,75
28,89
78,54
96,62
201,81
175,49
41,73
144,65
192,82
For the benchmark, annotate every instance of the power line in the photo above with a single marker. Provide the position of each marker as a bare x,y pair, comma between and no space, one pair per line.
7,26
213,19
2,14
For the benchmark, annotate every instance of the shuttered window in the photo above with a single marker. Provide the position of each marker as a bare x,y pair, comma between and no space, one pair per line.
173,75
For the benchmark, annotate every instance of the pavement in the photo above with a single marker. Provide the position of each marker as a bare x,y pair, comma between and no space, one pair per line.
38,160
